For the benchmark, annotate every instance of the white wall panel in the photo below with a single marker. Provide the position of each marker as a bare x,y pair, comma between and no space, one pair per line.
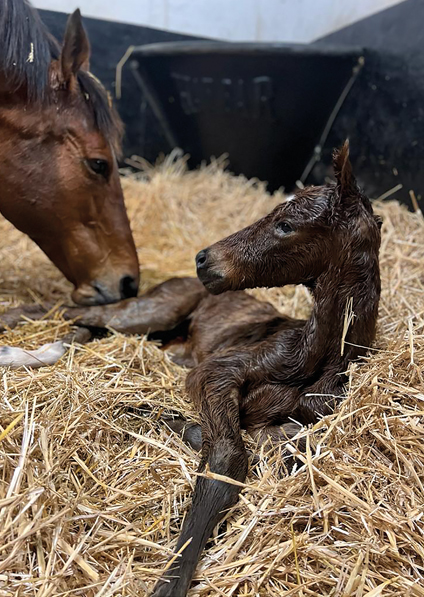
234,20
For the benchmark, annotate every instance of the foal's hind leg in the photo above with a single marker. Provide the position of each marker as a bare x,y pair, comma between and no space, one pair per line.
274,436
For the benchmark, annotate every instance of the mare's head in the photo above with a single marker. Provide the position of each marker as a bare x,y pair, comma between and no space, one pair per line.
59,140
299,240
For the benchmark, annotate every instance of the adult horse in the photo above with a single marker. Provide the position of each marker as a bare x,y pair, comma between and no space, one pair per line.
59,138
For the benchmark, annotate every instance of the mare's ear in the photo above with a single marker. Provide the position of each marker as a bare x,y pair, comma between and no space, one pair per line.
346,183
75,53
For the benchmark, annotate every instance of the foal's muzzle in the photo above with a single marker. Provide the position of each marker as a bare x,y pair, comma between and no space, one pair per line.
212,279
202,260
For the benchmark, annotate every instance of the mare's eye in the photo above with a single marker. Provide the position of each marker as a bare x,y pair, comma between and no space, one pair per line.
100,167
283,228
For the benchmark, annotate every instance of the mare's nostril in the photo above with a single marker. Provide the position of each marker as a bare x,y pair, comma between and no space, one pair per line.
201,258
128,287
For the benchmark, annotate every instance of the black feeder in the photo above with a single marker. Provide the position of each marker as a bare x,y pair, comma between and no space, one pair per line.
270,107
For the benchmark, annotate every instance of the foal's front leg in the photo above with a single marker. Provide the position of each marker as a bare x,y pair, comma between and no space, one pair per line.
214,388
219,389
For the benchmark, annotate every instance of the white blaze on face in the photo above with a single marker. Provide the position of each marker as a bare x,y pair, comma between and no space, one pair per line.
311,207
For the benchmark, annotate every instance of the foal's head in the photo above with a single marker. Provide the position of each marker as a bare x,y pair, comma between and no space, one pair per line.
299,240
59,138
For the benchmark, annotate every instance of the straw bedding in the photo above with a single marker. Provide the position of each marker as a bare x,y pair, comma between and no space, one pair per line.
93,486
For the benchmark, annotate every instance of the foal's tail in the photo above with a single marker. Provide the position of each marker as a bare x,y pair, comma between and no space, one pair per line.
224,453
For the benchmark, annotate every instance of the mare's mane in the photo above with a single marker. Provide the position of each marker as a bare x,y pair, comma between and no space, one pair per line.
26,51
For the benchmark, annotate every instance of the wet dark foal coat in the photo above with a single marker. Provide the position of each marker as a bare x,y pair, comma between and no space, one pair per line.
59,137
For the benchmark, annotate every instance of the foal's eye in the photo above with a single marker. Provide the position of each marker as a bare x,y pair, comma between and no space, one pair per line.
283,228
100,167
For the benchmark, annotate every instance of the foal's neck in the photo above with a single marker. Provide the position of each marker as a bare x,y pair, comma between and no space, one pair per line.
343,320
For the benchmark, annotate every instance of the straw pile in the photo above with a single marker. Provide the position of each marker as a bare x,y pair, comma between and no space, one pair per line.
93,487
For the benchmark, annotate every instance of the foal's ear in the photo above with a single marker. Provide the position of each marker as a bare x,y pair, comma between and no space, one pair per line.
346,182
75,53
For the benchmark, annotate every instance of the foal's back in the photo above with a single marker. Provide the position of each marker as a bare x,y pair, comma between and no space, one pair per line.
233,320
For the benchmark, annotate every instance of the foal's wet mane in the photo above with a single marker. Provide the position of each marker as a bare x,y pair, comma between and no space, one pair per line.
26,53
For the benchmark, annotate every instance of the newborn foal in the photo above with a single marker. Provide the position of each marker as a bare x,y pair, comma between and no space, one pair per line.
253,367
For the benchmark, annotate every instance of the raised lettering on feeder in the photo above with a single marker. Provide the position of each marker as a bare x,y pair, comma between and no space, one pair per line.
248,97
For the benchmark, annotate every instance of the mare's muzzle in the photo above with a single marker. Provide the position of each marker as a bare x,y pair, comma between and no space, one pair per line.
103,292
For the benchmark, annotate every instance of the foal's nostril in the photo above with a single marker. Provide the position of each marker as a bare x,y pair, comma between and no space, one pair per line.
201,258
128,287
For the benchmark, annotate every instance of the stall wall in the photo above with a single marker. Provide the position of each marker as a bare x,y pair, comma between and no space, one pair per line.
232,20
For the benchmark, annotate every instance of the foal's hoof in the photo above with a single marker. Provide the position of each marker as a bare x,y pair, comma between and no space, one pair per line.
48,354
191,433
